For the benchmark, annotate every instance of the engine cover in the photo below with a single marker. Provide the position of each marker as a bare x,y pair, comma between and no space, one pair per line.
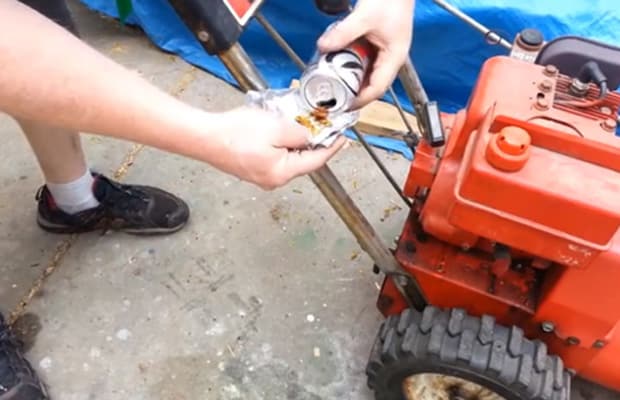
518,215
527,166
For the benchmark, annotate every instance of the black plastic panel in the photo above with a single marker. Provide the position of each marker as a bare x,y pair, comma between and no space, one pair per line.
213,17
569,54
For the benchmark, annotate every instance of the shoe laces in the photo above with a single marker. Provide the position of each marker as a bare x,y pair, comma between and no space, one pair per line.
129,199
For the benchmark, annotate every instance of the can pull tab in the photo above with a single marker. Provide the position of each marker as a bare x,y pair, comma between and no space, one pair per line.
333,7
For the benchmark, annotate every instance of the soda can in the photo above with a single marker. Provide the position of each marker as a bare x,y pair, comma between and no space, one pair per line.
333,80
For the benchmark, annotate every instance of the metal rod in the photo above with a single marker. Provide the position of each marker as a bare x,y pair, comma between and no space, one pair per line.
382,167
275,35
238,63
365,234
249,78
414,90
401,111
491,36
412,84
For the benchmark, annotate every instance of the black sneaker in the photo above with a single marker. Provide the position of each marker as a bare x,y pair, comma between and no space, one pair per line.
140,210
18,380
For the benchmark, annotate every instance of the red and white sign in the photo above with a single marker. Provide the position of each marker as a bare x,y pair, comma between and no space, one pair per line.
242,10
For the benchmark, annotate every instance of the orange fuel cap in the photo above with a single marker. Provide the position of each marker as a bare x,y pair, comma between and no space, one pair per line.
509,149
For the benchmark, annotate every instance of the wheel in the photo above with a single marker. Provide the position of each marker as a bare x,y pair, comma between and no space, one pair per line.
450,355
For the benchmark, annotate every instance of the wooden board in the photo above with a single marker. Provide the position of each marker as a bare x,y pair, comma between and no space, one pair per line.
383,119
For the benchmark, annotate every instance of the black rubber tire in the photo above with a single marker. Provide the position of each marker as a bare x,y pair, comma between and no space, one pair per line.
453,343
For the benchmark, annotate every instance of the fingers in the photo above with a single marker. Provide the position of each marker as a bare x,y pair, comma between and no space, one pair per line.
343,34
302,163
382,76
294,164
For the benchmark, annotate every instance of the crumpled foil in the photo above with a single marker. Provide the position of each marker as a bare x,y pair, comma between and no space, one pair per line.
323,127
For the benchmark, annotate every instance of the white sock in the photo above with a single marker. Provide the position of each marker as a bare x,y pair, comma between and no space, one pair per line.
75,196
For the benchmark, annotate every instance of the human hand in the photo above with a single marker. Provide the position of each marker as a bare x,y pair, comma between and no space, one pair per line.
386,25
267,150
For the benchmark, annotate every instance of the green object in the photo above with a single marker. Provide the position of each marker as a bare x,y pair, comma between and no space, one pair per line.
124,9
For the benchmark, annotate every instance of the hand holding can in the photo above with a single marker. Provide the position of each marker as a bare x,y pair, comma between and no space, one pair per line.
332,80
388,28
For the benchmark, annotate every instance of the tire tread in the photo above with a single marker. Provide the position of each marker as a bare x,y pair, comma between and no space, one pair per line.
453,338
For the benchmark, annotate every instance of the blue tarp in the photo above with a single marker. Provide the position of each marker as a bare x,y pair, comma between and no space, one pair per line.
447,52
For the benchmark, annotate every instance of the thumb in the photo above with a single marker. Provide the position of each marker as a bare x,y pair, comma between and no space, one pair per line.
385,71
342,34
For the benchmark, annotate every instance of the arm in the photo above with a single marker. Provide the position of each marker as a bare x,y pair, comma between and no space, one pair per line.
387,24
49,76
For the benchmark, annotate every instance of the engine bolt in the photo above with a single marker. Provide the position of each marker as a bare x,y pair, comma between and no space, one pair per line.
548,327
573,341
546,85
599,344
551,70
542,104
609,124
203,36
606,110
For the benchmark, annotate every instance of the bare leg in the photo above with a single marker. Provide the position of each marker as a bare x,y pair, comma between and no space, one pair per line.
73,200
58,151
63,164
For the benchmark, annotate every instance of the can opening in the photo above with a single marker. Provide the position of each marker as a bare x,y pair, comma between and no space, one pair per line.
327,103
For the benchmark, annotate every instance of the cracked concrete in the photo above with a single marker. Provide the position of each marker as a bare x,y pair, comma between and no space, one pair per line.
265,295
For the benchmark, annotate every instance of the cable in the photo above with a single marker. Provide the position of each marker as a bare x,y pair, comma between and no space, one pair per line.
590,72
401,111
382,167
280,41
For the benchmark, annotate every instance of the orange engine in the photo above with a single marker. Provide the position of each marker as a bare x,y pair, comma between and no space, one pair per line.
518,215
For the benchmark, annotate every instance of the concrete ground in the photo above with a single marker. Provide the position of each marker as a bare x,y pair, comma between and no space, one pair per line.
281,307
